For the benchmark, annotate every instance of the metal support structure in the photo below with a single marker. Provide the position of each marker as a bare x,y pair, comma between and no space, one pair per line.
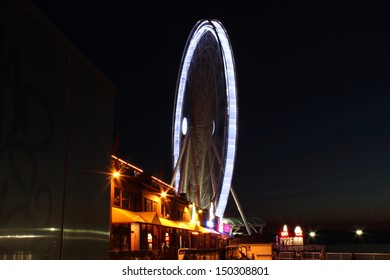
248,228
179,161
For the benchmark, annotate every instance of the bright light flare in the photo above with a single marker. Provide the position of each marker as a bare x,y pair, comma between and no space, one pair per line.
116,174
298,231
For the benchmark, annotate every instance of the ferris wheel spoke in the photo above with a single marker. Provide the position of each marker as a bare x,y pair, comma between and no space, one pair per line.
195,173
212,174
215,150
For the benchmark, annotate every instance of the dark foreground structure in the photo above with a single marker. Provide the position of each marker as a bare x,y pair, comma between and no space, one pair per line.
56,122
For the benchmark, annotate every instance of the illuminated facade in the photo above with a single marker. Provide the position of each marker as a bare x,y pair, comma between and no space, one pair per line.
149,221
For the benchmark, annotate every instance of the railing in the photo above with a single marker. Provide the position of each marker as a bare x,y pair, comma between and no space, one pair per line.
198,254
358,256
130,255
332,256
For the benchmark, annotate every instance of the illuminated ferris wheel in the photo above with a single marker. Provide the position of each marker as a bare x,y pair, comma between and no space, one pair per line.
205,119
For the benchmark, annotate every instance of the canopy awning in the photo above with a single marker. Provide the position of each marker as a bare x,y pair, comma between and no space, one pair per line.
125,216
205,230
150,217
177,224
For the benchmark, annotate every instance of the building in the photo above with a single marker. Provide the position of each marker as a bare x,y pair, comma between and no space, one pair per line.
148,220
56,127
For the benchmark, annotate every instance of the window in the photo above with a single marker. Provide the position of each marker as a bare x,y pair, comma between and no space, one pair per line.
154,206
133,203
164,211
117,197
180,215
125,200
149,205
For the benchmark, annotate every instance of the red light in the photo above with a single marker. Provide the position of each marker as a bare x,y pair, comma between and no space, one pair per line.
284,234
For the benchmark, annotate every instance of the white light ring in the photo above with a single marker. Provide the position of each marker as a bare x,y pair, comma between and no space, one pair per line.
231,92
197,33
216,28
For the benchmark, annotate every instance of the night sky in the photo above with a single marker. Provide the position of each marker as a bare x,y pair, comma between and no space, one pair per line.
313,94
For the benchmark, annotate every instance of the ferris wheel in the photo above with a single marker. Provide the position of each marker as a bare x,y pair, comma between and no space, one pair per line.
205,119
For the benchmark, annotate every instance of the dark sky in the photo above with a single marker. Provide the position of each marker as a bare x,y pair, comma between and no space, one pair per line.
313,93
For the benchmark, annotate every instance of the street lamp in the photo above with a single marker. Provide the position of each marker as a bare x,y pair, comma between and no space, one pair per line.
116,174
312,235
359,234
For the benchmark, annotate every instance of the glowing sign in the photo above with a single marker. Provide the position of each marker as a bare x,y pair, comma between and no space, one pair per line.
298,231
284,232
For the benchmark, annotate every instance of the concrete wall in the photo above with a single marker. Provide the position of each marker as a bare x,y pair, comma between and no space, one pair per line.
56,122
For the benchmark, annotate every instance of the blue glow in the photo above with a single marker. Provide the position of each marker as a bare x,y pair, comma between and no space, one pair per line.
218,31
210,224
202,28
232,111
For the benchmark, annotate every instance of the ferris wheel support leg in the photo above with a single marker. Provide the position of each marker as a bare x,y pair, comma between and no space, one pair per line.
185,168
179,160
248,228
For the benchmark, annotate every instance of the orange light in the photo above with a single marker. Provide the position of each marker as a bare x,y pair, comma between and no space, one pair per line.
127,164
163,194
116,174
